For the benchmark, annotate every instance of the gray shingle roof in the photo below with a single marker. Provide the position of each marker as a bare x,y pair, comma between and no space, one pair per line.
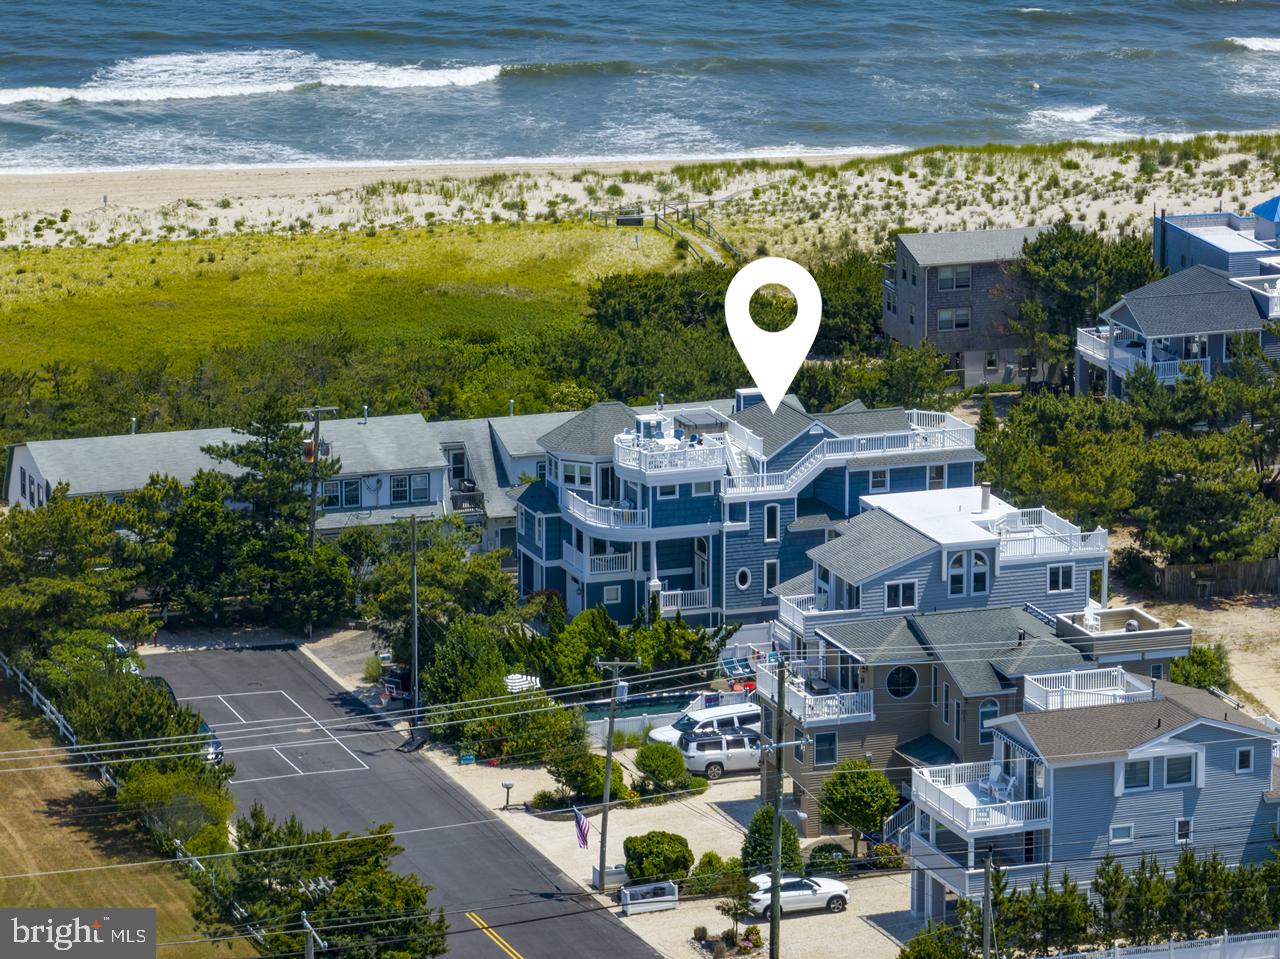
801,585
853,406
878,641
864,422
537,496
950,454
1102,731
813,514
475,438
969,246
1195,300
775,430
519,434
110,464
969,643
591,432
870,543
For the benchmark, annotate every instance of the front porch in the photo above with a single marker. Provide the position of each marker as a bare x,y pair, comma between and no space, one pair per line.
1121,351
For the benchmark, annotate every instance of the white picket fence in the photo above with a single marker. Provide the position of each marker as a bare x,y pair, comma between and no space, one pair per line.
1245,945
38,699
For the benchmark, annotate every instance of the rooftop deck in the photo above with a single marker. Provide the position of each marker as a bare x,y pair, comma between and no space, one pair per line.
806,701
1085,687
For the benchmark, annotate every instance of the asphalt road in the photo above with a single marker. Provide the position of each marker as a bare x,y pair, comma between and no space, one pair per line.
483,873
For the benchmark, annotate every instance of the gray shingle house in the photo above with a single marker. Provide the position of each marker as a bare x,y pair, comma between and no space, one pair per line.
1183,320
954,290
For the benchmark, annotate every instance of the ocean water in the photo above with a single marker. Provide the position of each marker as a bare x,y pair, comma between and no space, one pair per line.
89,84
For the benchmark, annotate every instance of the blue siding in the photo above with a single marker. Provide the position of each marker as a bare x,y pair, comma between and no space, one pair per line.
748,548
959,474
684,510
624,610
908,479
1228,815
828,488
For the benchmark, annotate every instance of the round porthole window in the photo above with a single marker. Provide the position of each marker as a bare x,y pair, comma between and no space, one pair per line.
744,578
901,682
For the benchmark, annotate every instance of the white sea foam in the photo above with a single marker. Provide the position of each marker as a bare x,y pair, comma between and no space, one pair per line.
1257,44
1096,122
1069,114
197,76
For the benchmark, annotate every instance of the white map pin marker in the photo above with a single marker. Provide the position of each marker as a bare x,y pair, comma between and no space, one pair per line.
773,359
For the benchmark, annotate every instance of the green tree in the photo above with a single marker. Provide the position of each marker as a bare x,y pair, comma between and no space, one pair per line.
1112,886
1144,903
1205,666
663,765
857,796
757,845
657,855
988,424
934,941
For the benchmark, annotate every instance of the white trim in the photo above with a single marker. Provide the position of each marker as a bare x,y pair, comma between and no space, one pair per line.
617,594
737,578
1240,750
1047,577
871,480
1111,834
764,578
709,484
1191,830
674,487
1191,782
915,594
1122,789
915,687
777,522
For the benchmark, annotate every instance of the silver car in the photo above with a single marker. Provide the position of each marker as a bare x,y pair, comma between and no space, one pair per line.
714,754
798,894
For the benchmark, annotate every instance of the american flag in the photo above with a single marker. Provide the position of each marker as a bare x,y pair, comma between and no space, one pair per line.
581,827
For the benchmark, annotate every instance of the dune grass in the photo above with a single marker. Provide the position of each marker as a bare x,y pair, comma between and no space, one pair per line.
110,304
55,818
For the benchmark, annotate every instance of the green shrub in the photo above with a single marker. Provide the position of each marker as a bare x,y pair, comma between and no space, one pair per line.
546,799
830,859
696,785
372,672
662,764
699,933
887,855
657,855
707,876
757,845
1203,667
581,773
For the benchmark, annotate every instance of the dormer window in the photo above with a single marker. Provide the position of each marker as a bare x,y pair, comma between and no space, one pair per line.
957,576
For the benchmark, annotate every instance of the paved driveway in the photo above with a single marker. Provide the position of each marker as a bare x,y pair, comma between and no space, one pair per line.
276,713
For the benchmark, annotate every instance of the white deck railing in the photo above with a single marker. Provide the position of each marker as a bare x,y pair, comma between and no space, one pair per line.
816,707
951,433
608,517
951,793
1084,687
599,563
1041,532
671,600
801,613
650,457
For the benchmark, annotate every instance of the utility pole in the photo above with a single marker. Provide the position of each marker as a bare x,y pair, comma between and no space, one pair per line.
986,908
615,666
312,937
314,412
775,882
413,593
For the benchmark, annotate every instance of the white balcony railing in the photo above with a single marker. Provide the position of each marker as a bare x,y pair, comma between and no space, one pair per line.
814,707
955,794
606,516
1041,532
598,563
802,614
1100,345
968,882
658,456
684,600
948,433
1084,687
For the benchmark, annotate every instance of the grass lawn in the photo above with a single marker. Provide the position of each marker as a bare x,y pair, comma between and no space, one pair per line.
56,819
118,303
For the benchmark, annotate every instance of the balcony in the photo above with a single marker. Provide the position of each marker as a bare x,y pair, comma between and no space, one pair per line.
963,796
801,613
467,501
807,702
1084,687
606,515
1037,533
671,601
929,431
598,563
966,881
667,454
1118,349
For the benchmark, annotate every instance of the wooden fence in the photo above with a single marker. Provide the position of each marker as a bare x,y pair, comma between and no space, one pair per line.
1208,580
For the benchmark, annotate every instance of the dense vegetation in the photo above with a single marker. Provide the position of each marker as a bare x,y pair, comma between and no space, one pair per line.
1198,897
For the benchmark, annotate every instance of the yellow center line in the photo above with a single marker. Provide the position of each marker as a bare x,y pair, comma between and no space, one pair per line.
498,941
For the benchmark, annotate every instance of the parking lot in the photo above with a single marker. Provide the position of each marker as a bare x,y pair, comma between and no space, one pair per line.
302,745
273,737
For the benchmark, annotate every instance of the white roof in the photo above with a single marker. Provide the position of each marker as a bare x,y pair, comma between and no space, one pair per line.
1225,238
949,517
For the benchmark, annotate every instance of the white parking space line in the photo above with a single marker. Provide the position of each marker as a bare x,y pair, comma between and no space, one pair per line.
232,708
286,759
262,779
327,732
256,692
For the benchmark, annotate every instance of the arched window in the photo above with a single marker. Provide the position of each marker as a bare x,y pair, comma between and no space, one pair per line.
979,573
901,682
989,710
957,574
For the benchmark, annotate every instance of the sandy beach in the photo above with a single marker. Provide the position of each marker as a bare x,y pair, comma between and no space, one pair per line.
772,206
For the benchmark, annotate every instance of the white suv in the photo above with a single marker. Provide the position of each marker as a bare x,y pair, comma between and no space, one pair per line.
739,717
714,754
797,894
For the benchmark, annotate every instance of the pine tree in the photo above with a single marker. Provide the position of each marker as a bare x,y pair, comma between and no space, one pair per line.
987,422
1145,903
757,845
1112,886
